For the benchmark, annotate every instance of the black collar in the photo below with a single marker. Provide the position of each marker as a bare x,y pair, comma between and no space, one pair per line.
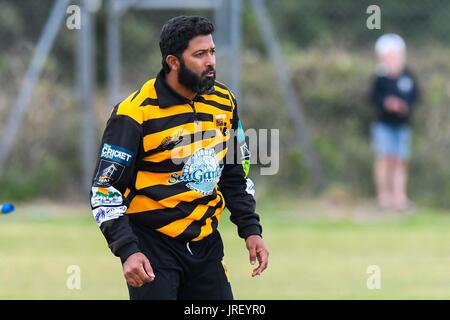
167,97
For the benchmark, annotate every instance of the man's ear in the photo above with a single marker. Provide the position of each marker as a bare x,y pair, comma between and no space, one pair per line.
173,62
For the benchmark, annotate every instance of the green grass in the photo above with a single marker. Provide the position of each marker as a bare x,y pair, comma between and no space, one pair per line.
318,250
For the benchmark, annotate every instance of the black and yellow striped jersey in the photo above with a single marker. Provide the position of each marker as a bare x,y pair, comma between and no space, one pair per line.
172,164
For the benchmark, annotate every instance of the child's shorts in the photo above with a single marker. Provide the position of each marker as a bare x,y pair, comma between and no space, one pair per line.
391,140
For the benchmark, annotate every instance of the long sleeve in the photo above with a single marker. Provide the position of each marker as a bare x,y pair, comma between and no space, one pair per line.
414,97
378,95
237,189
114,172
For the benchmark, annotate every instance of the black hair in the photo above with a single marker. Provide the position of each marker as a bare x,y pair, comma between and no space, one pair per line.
177,32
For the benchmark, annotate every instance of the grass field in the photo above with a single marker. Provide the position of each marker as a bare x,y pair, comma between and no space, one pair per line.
318,250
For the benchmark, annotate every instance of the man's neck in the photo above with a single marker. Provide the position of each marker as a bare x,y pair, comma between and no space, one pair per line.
171,79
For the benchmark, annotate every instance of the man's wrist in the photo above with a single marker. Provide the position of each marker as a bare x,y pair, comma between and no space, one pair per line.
251,235
251,230
127,250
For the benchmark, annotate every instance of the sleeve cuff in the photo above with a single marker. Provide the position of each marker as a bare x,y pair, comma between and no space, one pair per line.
127,250
250,230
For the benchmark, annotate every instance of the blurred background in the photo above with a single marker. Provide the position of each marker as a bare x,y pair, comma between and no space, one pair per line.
320,220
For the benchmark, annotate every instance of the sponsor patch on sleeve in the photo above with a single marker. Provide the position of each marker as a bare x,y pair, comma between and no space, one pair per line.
245,151
102,214
108,173
116,154
250,187
240,133
105,197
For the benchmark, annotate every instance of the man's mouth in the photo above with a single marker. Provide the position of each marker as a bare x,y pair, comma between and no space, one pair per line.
210,74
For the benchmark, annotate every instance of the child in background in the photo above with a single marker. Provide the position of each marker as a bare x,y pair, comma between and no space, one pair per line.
394,96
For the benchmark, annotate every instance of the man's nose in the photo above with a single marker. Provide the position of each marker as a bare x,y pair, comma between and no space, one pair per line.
210,60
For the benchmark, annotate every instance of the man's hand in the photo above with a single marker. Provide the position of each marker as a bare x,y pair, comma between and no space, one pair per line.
257,250
137,270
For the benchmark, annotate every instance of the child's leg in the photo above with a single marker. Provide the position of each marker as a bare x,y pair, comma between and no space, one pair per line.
384,147
400,173
382,176
400,178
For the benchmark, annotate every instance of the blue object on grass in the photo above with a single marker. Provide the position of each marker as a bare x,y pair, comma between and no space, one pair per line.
7,208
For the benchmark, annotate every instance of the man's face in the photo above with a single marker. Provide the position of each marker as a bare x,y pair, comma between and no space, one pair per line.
197,65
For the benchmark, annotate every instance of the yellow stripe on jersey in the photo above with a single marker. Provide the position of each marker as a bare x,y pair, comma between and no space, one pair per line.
131,105
218,99
206,229
147,179
153,112
177,227
143,203
221,90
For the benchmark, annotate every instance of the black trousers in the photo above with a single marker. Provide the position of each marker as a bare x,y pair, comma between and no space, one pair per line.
183,270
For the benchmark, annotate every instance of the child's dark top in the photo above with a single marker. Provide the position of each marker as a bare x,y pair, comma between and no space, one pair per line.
404,87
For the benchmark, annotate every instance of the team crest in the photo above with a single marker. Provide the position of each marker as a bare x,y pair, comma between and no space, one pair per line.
221,123
170,142
108,173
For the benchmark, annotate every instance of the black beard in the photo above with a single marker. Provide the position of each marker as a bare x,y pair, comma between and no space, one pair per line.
193,82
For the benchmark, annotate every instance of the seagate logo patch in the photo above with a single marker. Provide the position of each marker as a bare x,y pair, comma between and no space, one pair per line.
202,172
